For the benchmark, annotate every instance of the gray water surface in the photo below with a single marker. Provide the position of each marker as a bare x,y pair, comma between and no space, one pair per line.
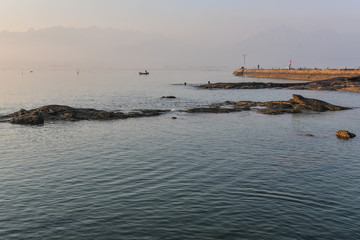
202,176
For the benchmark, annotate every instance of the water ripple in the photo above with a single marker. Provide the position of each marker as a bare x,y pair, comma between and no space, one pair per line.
231,176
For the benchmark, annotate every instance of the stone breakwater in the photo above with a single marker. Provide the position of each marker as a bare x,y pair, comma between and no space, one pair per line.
298,74
350,84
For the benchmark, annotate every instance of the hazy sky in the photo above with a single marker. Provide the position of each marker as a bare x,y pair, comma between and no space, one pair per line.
190,20
194,32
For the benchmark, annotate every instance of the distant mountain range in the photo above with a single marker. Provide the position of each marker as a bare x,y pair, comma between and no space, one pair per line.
93,47
275,48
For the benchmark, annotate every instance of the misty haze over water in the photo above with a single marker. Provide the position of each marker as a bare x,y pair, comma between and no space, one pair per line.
106,48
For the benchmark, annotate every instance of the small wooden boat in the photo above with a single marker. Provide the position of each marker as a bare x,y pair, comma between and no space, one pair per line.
144,73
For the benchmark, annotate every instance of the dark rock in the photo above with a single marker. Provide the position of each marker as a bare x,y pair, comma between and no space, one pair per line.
21,112
314,104
274,111
228,102
35,118
66,113
296,105
351,84
145,113
208,110
343,134
214,109
168,97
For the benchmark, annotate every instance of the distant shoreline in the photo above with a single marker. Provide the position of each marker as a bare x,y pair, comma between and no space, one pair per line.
298,74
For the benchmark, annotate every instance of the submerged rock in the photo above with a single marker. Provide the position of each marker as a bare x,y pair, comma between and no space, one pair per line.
344,134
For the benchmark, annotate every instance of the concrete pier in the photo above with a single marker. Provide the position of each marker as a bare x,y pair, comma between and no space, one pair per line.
298,74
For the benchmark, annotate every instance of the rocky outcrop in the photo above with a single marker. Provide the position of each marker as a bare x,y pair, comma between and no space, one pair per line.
343,134
350,84
302,103
65,113
297,104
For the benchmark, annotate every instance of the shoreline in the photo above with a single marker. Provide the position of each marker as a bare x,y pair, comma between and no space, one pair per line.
298,74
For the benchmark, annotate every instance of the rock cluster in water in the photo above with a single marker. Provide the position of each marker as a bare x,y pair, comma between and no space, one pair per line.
295,105
40,115
65,113
351,84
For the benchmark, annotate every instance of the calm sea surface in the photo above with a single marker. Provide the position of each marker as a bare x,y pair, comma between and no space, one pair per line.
202,176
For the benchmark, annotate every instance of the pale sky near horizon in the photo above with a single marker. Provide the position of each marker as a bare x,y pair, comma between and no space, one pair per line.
187,20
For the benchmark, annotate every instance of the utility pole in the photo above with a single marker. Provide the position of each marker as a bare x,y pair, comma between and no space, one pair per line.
244,54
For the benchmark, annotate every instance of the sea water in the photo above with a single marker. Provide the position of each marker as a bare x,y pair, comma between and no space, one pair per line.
239,175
